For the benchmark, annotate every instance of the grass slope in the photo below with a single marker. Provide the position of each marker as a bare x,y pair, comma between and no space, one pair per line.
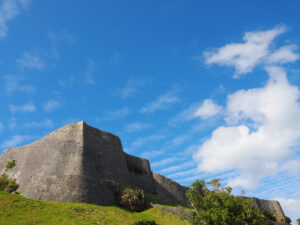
15,209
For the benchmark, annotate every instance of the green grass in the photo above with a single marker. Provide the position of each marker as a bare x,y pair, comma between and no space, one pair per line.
15,209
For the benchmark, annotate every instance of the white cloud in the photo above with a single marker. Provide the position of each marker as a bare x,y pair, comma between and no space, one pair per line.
15,141
51,105
29,107
33,124
283,55
137,126
9,10
1,127
89,73
116,114
266,128
161,103
13,84
131,88
31,61
255,50
207,109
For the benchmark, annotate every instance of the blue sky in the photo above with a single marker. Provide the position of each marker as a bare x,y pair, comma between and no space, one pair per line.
202,89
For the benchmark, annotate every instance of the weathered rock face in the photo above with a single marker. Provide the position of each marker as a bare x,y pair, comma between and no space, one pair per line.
271,206
79,163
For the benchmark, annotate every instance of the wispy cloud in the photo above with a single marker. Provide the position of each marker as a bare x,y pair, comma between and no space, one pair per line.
151,154
51,105
179,167
62,37
144,140
116,114
185,115
14,84
8,11
90,71
1,127
15,141
137,126
115,58
29,107
164,162
31,61
255,50
161,103
131,88
33,124
67,82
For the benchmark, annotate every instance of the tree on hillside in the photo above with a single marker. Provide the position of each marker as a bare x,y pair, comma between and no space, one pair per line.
220,207
215,184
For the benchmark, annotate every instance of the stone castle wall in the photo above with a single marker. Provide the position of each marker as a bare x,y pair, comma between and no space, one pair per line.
79,163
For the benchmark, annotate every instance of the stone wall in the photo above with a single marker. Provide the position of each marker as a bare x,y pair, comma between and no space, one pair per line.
79,163
169,190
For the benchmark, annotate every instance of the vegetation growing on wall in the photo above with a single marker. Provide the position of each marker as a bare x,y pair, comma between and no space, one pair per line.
10,164
8,185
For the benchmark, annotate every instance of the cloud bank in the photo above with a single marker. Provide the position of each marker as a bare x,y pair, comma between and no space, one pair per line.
261,134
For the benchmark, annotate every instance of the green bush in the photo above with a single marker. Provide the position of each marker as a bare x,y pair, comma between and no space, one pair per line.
10,164
8,185
3,181
219,206
145,222
132,199
298,221
269,215
288,220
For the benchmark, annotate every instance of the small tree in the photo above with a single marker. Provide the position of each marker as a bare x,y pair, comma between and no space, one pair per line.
298,221
243,192
220,207
215,184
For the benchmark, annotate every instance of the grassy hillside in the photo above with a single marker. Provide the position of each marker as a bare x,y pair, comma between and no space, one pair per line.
15,209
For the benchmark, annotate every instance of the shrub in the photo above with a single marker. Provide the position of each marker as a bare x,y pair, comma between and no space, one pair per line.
298,221
288,220
145,222
8,185
221,207
132,199
3,181
10,164
269,215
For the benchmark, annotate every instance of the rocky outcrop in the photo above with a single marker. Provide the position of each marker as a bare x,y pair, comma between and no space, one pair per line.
271,206
79,163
